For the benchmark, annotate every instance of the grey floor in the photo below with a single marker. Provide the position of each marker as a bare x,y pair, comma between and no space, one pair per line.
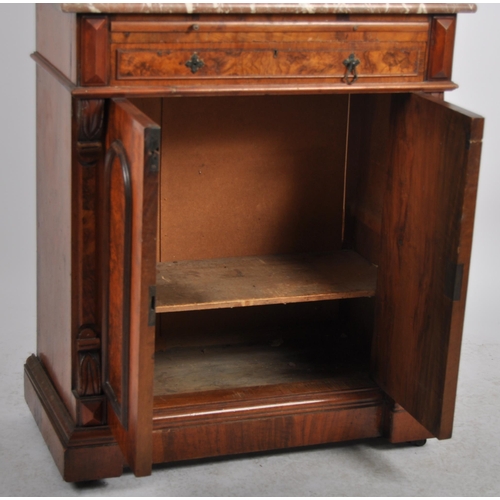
466,465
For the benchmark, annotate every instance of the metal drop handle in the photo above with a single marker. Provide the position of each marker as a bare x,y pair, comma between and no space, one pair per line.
350,69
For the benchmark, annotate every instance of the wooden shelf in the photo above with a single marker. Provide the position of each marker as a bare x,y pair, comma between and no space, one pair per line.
263,280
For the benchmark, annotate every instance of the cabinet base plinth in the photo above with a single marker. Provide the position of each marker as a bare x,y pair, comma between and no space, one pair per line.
258,424
81,454
256,420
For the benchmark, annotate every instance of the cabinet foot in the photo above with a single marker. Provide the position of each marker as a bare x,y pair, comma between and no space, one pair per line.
401,427
418,442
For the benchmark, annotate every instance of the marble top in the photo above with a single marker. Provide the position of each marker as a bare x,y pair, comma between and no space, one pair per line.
268,8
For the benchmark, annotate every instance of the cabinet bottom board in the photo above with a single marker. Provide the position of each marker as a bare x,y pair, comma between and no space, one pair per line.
278,360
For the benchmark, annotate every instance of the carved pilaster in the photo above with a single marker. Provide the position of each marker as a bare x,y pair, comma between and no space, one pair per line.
88,346
89,151
90,117
91,406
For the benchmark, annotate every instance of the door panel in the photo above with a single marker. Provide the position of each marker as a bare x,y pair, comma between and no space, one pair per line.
128,239
427,234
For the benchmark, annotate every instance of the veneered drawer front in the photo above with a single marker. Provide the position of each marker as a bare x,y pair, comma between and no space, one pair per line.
156,63
177,52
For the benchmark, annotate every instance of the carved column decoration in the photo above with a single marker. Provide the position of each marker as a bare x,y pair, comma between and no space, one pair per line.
90,374
90,116
89,153
88,346
91,402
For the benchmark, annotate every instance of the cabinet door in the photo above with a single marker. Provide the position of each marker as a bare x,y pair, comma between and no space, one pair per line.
129,187
427,233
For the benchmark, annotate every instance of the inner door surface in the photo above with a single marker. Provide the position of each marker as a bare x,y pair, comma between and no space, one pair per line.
128,240
425,251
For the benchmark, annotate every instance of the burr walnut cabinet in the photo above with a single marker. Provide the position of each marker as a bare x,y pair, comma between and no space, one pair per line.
254,229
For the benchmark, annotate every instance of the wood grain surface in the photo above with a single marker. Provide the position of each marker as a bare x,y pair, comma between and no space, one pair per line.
55,326
366,175
264,418
131,127
389,49
427,222
251,281
380,61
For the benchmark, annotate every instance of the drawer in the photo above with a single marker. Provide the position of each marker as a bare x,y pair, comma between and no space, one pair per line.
204,62
179,51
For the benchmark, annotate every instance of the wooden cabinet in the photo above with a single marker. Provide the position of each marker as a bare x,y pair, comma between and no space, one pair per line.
254,229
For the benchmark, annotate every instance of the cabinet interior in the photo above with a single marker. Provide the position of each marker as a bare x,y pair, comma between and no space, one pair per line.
273,202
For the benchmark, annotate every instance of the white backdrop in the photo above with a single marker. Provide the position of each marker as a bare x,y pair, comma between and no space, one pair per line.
478,74
475,68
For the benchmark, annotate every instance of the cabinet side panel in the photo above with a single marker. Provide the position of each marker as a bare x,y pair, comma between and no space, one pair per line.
54,232
56,38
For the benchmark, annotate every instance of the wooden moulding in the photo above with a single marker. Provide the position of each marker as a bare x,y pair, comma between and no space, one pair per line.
251,281
254,419
260,87
191,27
256,87
81,454
248,38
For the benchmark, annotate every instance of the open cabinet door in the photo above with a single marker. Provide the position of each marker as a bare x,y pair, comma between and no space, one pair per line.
129,187
424,263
